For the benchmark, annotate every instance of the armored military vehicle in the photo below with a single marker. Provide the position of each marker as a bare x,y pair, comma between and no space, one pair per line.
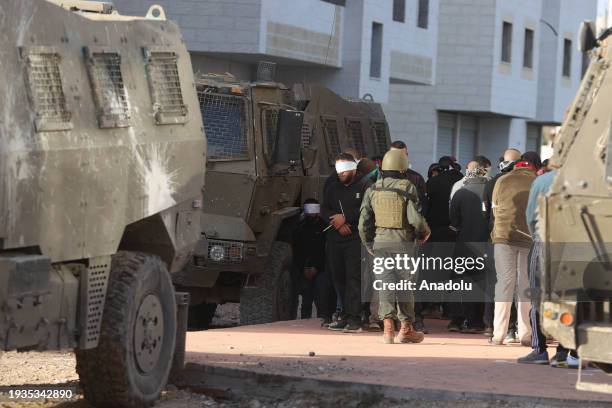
269,148
101,169
576,217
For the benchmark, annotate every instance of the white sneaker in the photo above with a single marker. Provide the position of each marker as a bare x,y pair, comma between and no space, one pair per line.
569,362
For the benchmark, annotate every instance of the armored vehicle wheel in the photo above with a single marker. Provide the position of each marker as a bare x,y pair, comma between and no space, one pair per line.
276,299
130,366
201,315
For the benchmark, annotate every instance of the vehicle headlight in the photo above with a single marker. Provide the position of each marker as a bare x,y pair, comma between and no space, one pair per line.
216,253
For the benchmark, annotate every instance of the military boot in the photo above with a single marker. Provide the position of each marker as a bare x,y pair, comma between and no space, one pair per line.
389,331
408,334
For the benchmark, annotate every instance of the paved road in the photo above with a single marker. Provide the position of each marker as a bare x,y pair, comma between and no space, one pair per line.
451,362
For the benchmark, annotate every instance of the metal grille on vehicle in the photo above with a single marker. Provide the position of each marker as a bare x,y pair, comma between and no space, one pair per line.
233,252
224,124
380,138
46,89
97,281
331,131
306,135
271,130
109,90
356,135
165,84
596,311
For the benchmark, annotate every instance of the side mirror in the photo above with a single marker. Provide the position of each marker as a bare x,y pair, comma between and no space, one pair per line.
288,145
586,36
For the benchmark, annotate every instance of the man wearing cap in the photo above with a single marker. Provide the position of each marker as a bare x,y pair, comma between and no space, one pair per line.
341,209
389,224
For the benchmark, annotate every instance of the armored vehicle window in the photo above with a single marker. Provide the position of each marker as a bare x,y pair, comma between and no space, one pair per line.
331,134
109,91
270,131
306,135
224,119
380,138
165,87
355,135
46,92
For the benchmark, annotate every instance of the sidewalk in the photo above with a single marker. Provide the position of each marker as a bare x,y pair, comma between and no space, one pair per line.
445,361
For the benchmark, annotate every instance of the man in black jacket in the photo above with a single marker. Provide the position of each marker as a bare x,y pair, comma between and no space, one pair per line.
438,195
340,207
468,219
414,177
309,260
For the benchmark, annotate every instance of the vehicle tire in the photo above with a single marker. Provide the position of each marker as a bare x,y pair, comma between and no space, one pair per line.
275,300
130,366
201,315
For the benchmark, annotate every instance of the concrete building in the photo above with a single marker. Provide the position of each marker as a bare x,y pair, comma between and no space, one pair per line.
457,77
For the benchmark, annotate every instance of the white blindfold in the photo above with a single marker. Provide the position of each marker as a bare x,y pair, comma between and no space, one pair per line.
342,166
312,208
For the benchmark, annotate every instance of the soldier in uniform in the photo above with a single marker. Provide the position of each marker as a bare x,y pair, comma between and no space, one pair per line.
390,222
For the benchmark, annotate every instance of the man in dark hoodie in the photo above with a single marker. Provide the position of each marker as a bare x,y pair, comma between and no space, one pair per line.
438,194
340,208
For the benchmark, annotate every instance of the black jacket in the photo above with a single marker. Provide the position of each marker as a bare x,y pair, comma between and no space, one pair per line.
467,211
438,193
309,244
419,182
350,196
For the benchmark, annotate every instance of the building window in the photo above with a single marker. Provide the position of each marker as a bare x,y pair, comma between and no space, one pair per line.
337,2
567,58
399,10
528,49
586,60
376,50
423,17
507,42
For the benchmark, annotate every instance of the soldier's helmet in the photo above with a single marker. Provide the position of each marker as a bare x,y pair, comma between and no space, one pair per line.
395,160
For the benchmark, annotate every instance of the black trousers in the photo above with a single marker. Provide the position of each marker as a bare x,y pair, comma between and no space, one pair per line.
320,291
345,263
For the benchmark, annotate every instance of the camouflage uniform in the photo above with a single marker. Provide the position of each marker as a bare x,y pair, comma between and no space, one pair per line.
390,221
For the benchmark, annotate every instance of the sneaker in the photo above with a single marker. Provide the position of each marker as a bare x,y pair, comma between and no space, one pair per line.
488,331
372,327
570,362
534,357
326,321
453,327
338,325
511,338
420,327
471,329
558,358
495,342
352,328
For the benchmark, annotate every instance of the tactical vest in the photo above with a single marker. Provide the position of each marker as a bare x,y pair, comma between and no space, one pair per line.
389,204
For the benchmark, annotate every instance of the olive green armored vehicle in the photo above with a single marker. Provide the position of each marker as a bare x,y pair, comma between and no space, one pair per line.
576,217
102,162
269,148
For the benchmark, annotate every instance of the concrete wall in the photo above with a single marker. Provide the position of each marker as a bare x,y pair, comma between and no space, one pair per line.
556,92
304,30
515,88
231,26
